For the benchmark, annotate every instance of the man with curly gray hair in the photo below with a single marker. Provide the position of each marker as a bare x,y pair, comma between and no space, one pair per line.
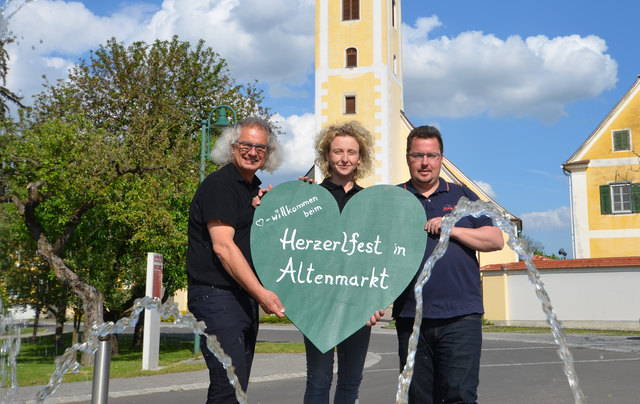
224,290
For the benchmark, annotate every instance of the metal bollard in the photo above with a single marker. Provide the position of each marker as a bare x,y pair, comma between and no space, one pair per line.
196,343
101,369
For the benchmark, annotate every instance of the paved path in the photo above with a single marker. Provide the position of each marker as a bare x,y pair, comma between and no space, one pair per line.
514,367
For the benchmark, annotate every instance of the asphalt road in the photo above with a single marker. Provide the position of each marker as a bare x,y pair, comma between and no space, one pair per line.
514,369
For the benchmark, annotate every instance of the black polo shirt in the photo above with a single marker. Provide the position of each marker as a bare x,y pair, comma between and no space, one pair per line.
227,196
338,192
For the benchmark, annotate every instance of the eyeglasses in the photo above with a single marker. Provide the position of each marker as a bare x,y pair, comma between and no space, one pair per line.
431,157
244,147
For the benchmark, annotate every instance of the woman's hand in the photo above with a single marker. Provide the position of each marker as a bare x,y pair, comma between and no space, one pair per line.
375,317
255,202
306,179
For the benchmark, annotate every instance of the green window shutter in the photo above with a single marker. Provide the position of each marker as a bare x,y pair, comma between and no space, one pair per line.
635,198
625,140
621,140
617,141
605,199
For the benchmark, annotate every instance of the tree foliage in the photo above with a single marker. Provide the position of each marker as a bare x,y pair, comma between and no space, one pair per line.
102,169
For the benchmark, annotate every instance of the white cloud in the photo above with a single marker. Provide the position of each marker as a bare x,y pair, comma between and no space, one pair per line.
257,40
550,220
470,74
475,73
254,36
297,143
48,44
486,187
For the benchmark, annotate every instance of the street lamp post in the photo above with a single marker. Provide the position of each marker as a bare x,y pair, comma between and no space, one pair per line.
205,141
220,123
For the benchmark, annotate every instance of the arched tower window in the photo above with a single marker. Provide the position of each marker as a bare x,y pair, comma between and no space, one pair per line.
394,14
350,10
352,57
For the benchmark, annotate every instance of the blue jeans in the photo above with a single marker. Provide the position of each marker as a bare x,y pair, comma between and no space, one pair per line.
232,316
351,356
447,365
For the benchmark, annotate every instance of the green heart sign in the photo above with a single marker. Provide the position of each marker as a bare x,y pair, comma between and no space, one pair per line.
331,270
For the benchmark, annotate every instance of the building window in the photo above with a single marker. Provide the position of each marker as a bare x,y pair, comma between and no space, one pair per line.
395,65
350,104
350,10
620,198
622,140
352,57
394,14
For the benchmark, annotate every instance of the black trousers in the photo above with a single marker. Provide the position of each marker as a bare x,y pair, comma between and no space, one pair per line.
447,361
232,316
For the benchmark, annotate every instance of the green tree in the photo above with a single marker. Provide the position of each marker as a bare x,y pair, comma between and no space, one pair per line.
103,168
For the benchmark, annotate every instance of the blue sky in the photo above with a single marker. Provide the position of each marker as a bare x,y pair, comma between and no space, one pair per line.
515,87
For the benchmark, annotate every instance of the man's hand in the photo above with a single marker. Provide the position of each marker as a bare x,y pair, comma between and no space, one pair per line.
237,266
270,303
434,225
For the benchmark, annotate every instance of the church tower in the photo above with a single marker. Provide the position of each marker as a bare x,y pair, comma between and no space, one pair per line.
359,77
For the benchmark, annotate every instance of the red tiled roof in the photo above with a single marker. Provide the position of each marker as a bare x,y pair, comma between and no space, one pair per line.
547,263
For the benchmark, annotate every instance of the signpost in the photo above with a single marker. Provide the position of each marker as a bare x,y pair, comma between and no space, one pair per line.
151,336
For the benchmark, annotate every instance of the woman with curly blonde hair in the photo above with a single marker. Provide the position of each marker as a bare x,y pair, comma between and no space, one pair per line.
344,153
364,142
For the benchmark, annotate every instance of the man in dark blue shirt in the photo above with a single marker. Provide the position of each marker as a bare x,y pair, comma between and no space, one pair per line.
448,352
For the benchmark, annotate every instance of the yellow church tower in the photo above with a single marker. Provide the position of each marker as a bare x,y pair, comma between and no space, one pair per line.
359,77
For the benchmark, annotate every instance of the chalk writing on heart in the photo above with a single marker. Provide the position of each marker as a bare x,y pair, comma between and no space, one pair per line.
332,270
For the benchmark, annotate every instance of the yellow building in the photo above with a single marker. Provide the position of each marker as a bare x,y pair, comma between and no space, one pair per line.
605,184
359,77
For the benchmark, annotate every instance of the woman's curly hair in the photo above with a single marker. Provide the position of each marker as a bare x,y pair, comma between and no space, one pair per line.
356,131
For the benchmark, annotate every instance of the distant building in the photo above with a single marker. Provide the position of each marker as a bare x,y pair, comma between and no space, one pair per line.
359,77
605,184
595,293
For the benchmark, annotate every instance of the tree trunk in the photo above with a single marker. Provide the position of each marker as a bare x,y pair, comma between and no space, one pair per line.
60,320
92,302
114,345
92,299
136,340
77,316
36,323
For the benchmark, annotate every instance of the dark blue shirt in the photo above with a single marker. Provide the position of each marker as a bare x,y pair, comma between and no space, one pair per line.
454,287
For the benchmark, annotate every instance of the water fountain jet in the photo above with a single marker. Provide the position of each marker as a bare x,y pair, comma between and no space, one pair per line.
66,362
501,220
9,349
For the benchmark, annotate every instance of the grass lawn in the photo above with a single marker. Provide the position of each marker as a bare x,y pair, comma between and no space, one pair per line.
36,360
